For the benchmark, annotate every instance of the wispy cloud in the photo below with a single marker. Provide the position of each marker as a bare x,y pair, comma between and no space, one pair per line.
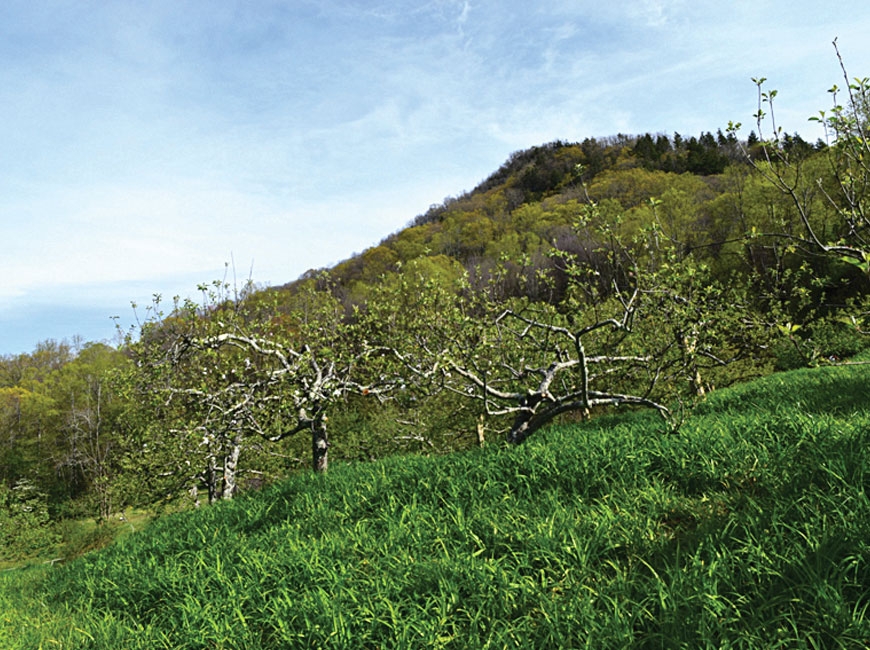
145,143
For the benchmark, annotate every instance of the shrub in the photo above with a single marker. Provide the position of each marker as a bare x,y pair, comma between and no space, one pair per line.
25,526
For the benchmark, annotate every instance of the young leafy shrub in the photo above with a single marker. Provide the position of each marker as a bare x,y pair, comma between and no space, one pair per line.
838,340
823,341
25,527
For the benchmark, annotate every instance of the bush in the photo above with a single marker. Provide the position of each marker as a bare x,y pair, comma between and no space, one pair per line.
25,526
822,341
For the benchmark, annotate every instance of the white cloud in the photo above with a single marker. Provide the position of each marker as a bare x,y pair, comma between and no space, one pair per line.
466,10
146,143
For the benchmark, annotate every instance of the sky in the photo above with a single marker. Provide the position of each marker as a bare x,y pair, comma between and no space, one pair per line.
149,147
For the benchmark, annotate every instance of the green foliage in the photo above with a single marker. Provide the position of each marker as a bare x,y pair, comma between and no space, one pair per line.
834,182
26,412
25,527
60,424
748,530
823,341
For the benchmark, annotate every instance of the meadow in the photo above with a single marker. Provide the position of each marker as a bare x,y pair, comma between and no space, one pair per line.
750,528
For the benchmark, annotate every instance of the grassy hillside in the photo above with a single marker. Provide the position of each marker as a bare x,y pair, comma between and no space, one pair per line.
751,528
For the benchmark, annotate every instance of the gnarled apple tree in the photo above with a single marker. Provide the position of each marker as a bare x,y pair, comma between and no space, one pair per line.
241,371
638,323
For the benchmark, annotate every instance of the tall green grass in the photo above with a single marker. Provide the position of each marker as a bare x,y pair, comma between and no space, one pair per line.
749,529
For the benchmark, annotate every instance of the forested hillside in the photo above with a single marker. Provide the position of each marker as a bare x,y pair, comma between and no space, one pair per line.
625,272
531,204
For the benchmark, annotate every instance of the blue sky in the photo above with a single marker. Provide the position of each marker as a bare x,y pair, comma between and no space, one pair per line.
144,145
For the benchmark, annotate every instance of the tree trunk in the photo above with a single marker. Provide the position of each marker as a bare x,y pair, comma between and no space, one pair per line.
104,501
211,480
688,345
525,422
194,494
319,444
521,428
231,464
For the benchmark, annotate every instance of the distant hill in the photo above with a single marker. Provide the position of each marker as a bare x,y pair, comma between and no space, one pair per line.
528,207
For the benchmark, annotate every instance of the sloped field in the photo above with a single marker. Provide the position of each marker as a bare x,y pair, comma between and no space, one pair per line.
751,529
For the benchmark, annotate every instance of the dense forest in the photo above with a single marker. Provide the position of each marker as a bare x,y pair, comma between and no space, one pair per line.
635,271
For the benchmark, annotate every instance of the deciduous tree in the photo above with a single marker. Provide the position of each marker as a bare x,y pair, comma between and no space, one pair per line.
827,191
239,370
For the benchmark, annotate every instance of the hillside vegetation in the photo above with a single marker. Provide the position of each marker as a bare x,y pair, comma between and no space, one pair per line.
533,407
621,272
750,529
686,243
